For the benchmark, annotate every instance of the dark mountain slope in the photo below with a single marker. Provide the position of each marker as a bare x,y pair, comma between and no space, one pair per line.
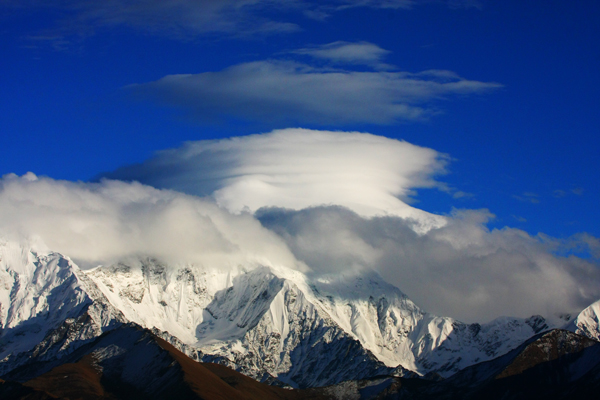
17,391
551,365
132,363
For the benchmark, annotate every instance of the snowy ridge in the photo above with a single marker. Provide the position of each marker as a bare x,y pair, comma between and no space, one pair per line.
38,292
251,319
257,317
48,307
154,295
293,340
398,332
587,322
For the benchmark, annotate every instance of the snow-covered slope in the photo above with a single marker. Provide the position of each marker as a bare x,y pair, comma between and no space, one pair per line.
46,305
269,319
38,291
399,333
263,321
587,322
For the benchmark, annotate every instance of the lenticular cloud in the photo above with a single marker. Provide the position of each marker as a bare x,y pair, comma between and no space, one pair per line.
299,168
291,92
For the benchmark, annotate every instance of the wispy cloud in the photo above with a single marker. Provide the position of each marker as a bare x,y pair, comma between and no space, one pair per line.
519,218
290,92
459,194
409,4
384,4
559,193
528,197
177,18
189,18
362,53
577,191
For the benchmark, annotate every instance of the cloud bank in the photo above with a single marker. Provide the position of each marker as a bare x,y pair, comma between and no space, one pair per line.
299,168
462,269
291,92
321,202
104,222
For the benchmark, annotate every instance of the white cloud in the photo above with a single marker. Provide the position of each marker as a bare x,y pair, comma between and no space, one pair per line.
110,220
299,168
294,93
351,53
461,269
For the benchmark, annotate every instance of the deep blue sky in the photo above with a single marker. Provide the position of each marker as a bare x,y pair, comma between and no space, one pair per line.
527,151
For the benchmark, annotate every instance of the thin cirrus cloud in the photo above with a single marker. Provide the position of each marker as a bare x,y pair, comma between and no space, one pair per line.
189,18
408,4
338,5
528,197
177,18
291,92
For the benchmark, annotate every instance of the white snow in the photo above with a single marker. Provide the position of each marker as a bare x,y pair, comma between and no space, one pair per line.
587,323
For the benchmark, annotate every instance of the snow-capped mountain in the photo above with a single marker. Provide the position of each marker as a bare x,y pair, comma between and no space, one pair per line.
47,306
267,322
262,317
261,321
587,322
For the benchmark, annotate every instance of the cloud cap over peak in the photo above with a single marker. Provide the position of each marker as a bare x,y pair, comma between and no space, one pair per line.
299,168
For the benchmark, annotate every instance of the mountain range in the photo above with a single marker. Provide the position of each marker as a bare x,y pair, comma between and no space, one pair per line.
140,325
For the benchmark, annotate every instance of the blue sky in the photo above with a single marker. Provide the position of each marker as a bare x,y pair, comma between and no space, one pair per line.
521,132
